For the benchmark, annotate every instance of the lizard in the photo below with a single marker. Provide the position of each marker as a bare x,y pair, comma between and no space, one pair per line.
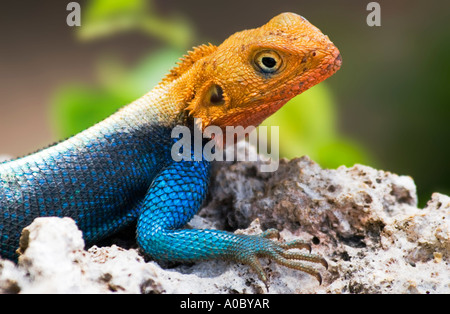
120,170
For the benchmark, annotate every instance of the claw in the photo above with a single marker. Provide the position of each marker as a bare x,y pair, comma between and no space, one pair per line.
305,257
281,254
319,279
294,264
324,263
257,267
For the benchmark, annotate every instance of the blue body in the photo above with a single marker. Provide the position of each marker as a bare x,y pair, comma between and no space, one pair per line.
97,178
115,173
105,178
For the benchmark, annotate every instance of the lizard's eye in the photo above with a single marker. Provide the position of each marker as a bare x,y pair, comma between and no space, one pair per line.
268,61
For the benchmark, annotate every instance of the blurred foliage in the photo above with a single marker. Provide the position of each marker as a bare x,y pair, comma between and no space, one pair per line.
76,107
108,17
308,126
307,123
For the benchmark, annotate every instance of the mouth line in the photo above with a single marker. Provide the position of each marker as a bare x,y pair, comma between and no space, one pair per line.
338,61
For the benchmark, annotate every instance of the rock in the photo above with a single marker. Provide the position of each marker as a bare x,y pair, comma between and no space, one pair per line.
4,157
12,279
412,255
365,222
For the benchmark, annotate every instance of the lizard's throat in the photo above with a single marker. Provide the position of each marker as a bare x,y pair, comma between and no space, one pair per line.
238,124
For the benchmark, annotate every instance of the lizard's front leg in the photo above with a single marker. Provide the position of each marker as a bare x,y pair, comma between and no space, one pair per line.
174,197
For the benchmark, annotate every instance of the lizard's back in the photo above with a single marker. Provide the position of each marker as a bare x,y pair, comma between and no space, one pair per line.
95,177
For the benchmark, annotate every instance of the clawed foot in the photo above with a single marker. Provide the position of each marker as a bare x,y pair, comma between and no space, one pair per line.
281,254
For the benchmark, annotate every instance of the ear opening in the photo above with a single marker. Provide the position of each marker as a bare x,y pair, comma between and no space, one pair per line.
215,95
209,103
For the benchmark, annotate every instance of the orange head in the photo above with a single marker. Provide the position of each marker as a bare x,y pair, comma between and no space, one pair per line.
254,72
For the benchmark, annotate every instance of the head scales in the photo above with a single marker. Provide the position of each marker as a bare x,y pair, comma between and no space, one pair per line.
248,95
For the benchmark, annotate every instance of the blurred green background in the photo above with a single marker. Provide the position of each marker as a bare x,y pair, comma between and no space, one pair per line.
388,106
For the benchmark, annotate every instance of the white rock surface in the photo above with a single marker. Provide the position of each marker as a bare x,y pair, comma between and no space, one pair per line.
4,157
365,222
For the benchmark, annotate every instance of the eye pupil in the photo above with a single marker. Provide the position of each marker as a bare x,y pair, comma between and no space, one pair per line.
269,62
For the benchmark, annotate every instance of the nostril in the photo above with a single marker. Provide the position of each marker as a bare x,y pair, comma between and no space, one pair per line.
339,58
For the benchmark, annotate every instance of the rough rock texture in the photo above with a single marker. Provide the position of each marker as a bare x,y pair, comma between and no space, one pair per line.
365,222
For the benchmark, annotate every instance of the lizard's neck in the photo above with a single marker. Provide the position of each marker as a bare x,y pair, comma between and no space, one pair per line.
164,106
